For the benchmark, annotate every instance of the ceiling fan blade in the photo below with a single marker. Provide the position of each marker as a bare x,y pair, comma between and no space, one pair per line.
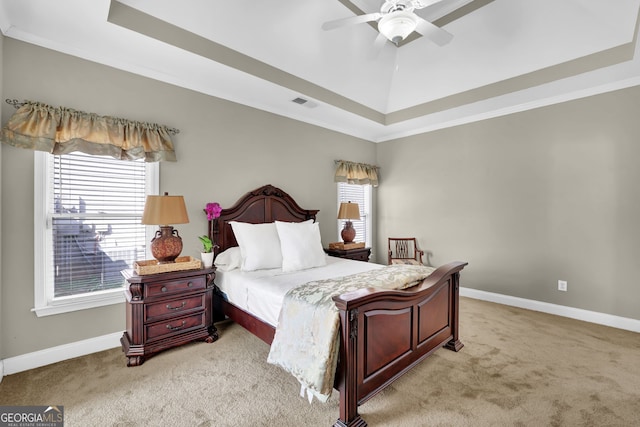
433,32
421,4
352,20
446,11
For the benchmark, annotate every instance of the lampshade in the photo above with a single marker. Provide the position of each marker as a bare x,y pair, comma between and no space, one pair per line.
396,26
164,210
349,211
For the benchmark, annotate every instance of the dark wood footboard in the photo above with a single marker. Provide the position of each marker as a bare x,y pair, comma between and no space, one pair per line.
383,334
386,333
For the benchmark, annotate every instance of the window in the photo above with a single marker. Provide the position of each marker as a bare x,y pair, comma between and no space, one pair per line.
360,194
87,228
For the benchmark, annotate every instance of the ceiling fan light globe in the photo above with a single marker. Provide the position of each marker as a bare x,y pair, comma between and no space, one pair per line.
396,26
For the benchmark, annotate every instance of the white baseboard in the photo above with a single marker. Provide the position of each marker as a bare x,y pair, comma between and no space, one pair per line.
24,362
59,353
559,310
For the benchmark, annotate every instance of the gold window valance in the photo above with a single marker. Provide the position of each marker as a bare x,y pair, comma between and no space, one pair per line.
356,173
61,130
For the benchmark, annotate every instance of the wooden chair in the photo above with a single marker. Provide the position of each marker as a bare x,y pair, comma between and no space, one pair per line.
404,251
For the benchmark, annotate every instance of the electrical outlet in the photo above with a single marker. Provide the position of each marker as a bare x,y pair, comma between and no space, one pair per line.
562,285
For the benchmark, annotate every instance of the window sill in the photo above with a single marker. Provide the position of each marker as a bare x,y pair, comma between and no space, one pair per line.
82,302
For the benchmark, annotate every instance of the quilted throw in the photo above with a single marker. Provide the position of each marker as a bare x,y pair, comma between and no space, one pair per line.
306,342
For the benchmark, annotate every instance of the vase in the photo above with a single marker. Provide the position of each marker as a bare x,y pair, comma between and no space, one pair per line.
207,259
166,245
348,232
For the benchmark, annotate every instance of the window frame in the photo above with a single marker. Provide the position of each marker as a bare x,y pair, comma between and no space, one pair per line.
45,304
367,209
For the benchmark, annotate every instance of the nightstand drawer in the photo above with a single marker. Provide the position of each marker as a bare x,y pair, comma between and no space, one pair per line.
176,326
360,256
174,286
173,308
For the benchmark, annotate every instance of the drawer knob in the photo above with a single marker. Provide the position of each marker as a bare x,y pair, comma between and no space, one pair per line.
177,328
180,307
190,284
164,289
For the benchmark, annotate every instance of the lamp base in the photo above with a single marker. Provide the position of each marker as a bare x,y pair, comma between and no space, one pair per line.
348,232
166,245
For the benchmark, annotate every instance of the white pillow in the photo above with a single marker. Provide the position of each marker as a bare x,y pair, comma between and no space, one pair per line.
229,259
259,245
301,245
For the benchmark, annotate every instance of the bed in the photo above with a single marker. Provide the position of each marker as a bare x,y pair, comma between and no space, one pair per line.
382,333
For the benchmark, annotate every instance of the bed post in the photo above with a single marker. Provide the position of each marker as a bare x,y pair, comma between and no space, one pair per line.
455,344
348,381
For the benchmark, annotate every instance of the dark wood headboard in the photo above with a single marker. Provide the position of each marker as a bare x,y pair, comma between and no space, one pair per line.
264,204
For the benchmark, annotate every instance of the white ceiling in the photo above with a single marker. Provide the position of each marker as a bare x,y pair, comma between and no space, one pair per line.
506,56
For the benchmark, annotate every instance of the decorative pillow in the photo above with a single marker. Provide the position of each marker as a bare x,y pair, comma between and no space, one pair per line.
229,259
259,245
301,245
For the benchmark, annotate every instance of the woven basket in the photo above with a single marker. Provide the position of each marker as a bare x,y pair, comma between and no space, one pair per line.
346,246
151,266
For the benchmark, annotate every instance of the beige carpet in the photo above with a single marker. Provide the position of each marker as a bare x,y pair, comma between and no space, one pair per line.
518,368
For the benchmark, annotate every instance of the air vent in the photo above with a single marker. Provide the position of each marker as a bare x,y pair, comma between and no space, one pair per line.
305,102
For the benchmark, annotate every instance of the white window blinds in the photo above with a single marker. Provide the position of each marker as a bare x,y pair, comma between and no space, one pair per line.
94,206
360,194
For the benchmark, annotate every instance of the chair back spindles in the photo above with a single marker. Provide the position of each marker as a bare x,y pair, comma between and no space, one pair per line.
404,251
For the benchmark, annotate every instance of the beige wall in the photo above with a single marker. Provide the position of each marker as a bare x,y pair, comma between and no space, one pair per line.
528,199
223,149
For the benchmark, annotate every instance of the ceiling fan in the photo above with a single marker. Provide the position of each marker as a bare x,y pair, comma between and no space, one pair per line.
396,20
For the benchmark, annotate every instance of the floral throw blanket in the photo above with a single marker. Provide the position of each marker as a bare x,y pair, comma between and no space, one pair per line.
306,342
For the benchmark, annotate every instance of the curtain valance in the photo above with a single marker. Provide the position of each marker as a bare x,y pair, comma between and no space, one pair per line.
61,130
356,173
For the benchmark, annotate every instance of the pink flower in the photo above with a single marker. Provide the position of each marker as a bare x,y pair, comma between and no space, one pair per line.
213,210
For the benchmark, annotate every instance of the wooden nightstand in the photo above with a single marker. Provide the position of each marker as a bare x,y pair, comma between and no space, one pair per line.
166,310
360,254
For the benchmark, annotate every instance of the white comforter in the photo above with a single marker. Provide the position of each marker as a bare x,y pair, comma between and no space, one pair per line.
262,292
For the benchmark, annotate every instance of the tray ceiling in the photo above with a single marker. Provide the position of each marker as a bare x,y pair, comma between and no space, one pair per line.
506,55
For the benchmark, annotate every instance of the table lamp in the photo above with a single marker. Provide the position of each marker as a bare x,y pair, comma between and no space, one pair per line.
348,211
162,211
